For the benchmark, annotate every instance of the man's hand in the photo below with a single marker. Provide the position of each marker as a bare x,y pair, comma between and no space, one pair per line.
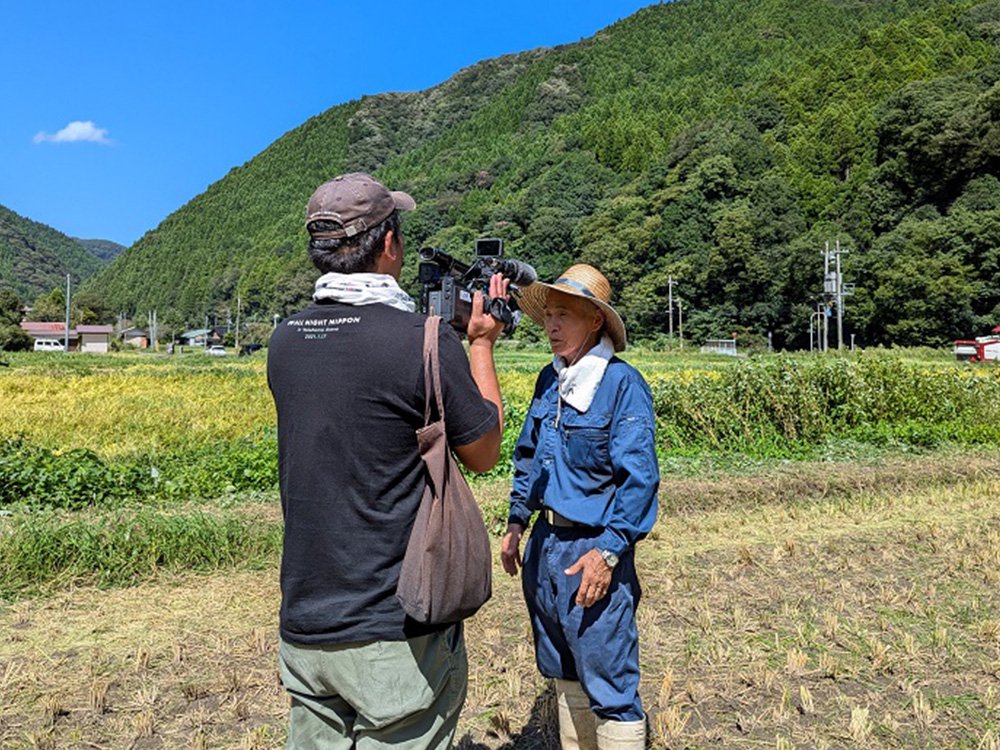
596,578
510,549
483,327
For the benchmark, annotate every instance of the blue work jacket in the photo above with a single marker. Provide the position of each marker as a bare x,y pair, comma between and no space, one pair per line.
596,467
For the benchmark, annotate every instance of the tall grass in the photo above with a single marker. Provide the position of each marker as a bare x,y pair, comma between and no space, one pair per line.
113,548
789,406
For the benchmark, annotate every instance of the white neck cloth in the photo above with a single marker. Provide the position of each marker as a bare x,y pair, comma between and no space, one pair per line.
363,289
579,382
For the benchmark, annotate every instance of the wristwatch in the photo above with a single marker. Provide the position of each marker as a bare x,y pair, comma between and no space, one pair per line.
610,558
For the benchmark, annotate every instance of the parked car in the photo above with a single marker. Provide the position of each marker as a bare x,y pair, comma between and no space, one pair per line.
48,345
216,350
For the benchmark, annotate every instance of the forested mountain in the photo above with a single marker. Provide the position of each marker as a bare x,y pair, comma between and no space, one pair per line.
718,141
35,258
104,250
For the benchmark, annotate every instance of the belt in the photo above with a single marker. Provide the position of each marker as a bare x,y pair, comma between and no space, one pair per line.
556,519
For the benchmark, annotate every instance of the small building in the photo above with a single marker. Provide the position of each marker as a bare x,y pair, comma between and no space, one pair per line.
95,339
137,337
51,331
720,346
218,334
196,337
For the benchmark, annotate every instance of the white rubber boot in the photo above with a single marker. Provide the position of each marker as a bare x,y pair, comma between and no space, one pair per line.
577,723
621,735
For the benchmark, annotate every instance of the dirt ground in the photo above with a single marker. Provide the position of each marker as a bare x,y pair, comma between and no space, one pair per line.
861,614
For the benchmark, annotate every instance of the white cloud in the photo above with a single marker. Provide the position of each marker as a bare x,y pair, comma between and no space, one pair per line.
78,130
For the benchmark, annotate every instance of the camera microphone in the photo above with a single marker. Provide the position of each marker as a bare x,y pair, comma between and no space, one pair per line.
519,272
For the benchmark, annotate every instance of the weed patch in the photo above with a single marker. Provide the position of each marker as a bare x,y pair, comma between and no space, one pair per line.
42,550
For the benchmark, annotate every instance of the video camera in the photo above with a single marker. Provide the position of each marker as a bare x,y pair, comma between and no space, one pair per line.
447,284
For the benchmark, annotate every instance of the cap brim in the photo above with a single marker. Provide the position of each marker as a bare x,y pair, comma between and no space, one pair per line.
532,301
403,201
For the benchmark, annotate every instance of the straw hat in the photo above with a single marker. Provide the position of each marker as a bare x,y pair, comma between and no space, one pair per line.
580,280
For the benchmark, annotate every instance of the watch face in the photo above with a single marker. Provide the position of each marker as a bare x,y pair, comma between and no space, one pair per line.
610,558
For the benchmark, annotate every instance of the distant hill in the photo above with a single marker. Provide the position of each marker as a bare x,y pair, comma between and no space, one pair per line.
720,142
35,258
104,250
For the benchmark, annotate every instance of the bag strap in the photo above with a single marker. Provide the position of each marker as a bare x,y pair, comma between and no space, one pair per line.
432,369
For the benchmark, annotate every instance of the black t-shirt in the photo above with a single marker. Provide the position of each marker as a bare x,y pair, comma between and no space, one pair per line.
348,385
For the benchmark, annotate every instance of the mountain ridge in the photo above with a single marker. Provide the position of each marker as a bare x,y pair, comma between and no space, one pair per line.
35,258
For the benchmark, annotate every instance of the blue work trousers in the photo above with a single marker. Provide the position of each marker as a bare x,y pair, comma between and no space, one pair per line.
597,646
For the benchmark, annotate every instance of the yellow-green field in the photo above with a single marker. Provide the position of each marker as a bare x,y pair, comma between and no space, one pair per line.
125,404
131,403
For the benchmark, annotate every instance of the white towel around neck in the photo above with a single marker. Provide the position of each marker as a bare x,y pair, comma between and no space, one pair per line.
579,382
363,289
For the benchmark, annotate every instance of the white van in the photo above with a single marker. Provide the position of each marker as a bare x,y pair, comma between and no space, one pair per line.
48,345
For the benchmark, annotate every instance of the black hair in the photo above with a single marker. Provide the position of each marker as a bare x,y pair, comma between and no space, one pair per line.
357,254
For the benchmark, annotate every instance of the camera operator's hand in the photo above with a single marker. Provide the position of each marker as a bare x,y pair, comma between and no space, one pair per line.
483,326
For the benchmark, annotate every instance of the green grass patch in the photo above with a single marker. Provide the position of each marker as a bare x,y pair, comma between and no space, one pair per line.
42,550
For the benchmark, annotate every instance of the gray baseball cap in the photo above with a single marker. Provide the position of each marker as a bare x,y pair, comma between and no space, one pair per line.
357,202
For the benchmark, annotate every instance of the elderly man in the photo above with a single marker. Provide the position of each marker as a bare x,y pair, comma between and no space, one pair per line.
346,374
586,461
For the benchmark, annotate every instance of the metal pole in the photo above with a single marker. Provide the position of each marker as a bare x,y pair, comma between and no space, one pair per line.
670,305
825,343
66,342
840,304
680,322
238,305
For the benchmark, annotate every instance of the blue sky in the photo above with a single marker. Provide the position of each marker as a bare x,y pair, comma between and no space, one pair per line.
114,114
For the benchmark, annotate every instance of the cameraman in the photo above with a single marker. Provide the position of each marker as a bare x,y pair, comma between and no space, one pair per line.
346,374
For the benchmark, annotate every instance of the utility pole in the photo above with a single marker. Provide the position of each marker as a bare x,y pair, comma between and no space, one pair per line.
829,291
238,305
834,291
670,305
840,301
680,321
66,342
843,290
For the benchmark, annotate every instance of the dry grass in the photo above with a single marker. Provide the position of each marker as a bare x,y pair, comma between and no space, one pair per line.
871,621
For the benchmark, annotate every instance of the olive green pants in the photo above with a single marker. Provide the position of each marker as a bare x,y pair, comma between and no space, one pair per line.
377,694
